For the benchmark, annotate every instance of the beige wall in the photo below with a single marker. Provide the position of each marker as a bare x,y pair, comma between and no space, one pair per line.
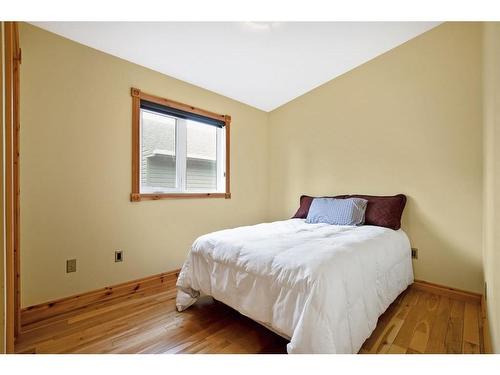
491,249
408,121
2,247
76,171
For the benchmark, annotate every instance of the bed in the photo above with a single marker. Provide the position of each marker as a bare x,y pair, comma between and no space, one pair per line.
321,286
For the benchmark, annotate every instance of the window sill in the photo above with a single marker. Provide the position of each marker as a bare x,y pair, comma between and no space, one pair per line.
134,197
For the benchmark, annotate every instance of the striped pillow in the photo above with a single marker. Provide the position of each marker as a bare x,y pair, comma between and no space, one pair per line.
350,211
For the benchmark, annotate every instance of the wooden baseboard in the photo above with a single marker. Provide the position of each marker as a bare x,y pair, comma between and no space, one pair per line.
447,291
49,309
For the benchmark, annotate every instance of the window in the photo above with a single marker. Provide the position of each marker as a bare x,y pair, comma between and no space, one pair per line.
178,151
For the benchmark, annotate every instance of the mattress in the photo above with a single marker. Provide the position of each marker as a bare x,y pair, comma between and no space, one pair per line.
323,286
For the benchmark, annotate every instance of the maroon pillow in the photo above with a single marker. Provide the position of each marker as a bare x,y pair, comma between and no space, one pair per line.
382,211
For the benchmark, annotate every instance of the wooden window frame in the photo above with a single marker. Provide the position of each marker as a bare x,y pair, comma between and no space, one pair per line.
136,195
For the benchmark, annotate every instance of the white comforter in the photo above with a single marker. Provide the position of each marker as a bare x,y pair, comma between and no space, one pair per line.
323,286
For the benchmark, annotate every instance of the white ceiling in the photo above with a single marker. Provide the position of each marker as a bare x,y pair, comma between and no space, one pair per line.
263,64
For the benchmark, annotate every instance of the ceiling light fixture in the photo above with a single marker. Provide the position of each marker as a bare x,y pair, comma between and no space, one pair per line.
262,26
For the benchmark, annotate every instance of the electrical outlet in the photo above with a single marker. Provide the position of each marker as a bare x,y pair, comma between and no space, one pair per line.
71,265
414,253
118,256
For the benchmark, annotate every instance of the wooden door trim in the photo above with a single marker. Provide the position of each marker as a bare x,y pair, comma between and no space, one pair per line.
12,214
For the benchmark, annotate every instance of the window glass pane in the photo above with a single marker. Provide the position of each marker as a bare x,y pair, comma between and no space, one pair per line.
157,152
201,164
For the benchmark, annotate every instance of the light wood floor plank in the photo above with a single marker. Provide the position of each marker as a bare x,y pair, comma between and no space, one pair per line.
390,329
394,349
471,323
454,334
424,325
405,334
387,324
436,342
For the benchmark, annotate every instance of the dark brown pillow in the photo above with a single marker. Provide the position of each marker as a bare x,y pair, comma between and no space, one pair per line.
382,211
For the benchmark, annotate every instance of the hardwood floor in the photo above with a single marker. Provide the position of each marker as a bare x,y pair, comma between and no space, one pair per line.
424,322
147,322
